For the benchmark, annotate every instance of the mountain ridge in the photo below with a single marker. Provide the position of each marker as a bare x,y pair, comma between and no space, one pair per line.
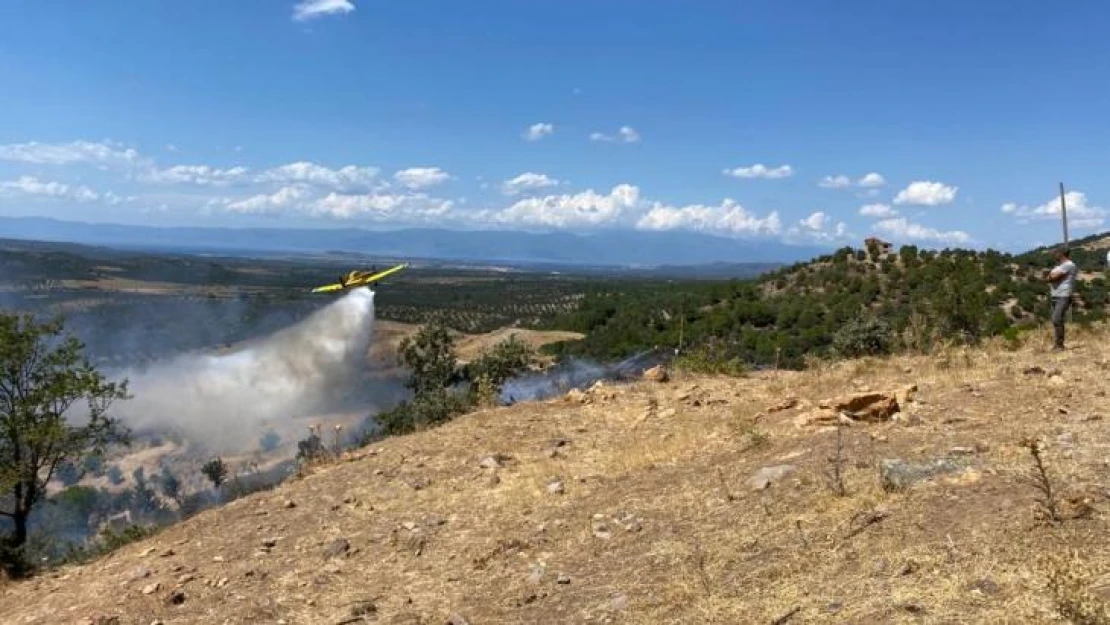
623,248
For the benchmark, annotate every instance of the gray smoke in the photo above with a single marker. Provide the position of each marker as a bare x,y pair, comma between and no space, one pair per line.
223,401
573,374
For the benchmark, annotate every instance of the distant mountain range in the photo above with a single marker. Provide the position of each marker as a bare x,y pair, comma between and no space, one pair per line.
615,248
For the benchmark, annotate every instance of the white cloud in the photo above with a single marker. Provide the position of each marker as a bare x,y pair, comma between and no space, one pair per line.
344,178
587,208
284,199
626,134
310,9
527,181
902,228
728,218
31,186
873,179
171,147
761,171
380,206
877,210
103,154
926,193
202,175
817,227
421,177
538,131
816,221
1081,213
835,182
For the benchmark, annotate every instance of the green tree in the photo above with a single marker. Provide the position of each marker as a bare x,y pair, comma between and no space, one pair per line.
215,470
489,372
53,409
430,354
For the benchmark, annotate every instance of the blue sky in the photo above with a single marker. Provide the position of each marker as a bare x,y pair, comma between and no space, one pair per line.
940,123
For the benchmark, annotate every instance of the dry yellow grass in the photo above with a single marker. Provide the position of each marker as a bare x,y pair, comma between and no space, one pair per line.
656,523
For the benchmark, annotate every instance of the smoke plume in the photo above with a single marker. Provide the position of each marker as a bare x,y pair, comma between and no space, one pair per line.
222,401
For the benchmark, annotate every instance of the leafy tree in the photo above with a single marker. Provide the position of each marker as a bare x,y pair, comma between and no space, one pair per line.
115,475
489,372
269,441
215,470
170,485
430,354
43,377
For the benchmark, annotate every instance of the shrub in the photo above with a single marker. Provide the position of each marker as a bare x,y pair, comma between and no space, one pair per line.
863,336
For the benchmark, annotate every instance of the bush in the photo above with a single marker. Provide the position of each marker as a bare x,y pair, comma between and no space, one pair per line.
269,441
863,336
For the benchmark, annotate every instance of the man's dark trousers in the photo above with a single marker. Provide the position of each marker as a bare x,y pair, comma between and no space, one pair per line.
1060,306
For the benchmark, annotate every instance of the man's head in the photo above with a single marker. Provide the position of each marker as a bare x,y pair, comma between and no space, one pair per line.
1062,253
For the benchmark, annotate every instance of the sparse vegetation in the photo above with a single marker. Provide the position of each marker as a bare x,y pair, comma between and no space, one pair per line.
43,375
1048,506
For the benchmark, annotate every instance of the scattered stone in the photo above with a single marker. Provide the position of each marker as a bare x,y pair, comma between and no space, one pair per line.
139,573
337,547
493,480
457,619
785,404
872,406
576,396
764,477
1057,380
146,552
599,527
269,543
536,575
289,503
167,553
185,579
223,581
1066,440
834,607
1034,370
494,461
150,589
962,451
619,603
177,597
419,483
157,621
909,568
629,522
668,413
556,488
986,586
563,579
656,374
895,474
363,608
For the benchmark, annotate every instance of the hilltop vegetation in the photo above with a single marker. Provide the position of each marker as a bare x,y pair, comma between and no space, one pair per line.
823,307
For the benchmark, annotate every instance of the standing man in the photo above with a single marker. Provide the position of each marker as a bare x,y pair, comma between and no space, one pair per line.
1062,279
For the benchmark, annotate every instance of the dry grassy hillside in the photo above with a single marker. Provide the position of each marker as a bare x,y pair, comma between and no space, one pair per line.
643,504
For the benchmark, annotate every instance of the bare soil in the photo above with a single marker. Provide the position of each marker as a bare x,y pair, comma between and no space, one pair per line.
655,520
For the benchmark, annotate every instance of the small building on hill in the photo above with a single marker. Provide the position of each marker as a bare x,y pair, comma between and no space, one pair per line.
877,246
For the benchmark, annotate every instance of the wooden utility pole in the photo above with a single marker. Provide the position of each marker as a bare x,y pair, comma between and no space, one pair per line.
1064,213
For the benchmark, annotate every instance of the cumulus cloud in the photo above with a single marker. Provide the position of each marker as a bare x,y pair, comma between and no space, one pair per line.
727,218
280,201
877,210
818,227
835,182
873,179
30,186
538,131
1081,213
304,172
380,206
311,9
761,171
421,177
926,193
202,175
100,154
868,181
626,134
587,208
527,181
902,228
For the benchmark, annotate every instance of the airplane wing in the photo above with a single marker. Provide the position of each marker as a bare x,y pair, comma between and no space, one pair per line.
360,281
382,274
328,287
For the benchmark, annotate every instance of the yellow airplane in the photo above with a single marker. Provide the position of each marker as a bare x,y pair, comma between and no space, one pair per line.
358,278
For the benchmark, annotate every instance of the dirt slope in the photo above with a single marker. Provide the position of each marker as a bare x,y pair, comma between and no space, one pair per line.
655,520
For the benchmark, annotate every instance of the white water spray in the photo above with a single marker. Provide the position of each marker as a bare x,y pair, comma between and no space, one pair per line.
222,400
